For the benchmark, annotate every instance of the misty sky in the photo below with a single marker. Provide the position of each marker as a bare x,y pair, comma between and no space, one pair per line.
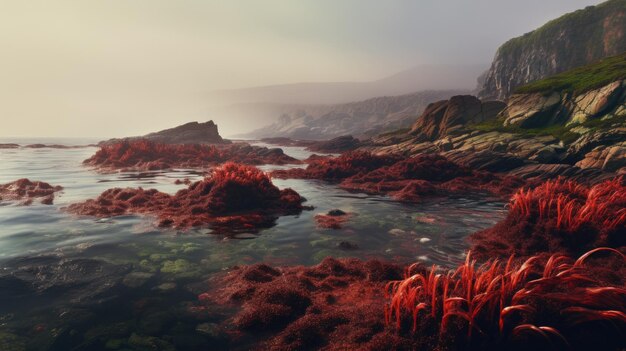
110,68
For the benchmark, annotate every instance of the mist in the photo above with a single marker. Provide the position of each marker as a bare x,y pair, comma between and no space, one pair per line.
117,68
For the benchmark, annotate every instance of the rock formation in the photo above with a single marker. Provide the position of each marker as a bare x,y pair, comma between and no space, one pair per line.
188,133
443,117
572,124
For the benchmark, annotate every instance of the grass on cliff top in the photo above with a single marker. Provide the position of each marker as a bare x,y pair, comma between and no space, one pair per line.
588,23
581,79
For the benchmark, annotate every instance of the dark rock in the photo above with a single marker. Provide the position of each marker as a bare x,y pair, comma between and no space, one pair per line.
189,133
336,212
346,245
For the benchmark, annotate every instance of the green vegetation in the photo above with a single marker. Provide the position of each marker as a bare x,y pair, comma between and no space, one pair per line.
558,131
581,79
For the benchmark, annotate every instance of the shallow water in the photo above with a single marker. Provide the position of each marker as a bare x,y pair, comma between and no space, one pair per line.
80,265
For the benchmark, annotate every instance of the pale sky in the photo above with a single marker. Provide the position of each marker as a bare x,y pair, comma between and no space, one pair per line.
111,68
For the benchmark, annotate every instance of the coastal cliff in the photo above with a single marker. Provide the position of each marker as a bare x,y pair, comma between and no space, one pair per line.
570,41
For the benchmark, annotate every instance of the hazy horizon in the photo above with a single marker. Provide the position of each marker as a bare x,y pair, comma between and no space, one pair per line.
120,68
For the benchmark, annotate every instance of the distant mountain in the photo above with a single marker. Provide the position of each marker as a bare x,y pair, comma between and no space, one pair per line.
418,78
367,117
570,41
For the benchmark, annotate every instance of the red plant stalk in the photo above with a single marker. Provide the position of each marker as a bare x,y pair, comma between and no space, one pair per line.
486,298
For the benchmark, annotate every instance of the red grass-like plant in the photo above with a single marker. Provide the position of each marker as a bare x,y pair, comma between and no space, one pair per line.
231,196
499,303
559,215
148,155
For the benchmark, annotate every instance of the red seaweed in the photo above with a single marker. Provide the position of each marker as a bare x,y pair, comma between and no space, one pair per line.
232,196
559,216
148,155
335,305
554,303
338,168
334,219
26,191
405,179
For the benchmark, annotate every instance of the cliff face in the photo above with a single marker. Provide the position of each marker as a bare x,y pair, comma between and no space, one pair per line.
570,41
367,117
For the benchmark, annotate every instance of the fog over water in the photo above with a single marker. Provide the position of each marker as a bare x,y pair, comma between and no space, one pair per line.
96,68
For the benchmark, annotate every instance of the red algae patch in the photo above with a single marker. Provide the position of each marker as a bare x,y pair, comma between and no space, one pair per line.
232,197
338,168
334,219
559,216
542,303
148,155
336,305
405,179
25,191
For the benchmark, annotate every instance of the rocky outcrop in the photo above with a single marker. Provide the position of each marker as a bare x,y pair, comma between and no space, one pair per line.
570,41
534,135
188,133
539,109
442,118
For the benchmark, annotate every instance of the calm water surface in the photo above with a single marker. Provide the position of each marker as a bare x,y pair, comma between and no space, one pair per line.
69,282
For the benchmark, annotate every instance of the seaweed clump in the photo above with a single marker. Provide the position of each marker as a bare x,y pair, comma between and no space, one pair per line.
334,305
143,154
405,179
27,191
559,216
232,196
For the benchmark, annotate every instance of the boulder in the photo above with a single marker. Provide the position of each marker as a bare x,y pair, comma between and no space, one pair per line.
531,110
607,158
595,102
449,117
